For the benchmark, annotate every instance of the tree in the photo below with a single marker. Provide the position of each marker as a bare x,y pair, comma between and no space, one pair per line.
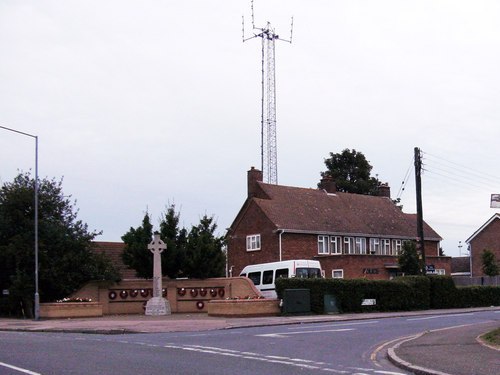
175,239
490,265
204,255
351,172
409,260
66,260
197,254
136,254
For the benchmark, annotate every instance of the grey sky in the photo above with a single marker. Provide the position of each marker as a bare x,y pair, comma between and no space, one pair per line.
139,104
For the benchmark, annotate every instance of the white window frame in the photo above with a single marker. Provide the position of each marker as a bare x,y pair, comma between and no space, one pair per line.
440,271
386,246
336,245
253,242
375,246
360,245
396,246
323,245
338,271
348,243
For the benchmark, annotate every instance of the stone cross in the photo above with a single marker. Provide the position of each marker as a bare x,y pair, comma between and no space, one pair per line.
157,246
157,305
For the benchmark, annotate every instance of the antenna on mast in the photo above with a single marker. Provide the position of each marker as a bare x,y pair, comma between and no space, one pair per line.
268,118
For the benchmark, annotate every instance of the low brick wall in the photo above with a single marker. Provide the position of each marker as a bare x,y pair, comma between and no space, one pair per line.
184,296
243,307
70,310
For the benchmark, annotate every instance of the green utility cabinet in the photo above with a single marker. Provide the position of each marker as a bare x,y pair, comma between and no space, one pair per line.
296,301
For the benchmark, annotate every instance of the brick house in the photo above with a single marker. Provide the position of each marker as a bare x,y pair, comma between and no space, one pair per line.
487,237
352,235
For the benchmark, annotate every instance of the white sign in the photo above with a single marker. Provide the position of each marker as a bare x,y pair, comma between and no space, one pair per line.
369,302
495,201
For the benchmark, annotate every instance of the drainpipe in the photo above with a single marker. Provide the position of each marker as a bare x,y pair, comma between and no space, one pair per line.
470,260
280,232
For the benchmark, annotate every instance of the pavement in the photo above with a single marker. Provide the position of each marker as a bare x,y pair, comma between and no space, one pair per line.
451,351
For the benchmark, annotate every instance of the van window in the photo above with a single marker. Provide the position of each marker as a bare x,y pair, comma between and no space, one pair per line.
282,272
308,273
255,277
267,277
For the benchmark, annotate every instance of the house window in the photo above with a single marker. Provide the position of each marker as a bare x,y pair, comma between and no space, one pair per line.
253,242
323,245
348,245
386,246
396,247
440,271
336,245
360,245
338,274
374,246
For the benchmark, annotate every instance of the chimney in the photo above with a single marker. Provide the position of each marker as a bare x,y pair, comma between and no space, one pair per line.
328,184
253,176
384,190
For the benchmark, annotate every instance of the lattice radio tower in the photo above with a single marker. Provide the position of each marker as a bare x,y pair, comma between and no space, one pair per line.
269,158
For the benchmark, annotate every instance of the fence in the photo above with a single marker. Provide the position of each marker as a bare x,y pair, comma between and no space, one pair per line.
478,280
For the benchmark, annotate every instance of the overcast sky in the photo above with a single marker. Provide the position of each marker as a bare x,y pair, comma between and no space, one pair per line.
140,104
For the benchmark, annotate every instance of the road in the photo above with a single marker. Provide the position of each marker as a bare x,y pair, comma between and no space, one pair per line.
353,347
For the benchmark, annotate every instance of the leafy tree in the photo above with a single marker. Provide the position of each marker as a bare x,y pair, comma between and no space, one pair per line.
197,254
136,254
409,260
204,255
175,239
351,172
490,265
66,260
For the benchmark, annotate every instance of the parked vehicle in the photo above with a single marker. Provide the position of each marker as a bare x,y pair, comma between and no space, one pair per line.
264,275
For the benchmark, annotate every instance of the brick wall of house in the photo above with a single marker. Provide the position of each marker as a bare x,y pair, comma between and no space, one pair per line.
488,238
254,223
305,246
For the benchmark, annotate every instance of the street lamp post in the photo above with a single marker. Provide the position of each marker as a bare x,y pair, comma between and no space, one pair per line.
37,295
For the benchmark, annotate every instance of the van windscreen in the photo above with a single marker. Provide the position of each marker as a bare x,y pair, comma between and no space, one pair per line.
308,273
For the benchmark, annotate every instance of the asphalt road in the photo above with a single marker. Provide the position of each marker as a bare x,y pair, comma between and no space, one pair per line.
354,347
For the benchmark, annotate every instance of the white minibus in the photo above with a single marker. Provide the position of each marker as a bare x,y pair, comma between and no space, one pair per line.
264,275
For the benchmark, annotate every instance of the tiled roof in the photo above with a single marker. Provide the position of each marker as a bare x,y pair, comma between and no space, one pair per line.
314,210
460,264
114,251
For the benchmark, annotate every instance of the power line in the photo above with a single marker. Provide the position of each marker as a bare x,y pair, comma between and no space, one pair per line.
405,179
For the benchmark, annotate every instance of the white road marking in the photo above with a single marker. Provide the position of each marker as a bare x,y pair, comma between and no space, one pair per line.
296,362
23,370
284,334
339,324
439,316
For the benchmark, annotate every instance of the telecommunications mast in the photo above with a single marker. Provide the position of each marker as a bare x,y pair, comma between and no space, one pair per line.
268,118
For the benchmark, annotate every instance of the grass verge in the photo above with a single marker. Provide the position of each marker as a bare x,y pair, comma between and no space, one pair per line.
492,337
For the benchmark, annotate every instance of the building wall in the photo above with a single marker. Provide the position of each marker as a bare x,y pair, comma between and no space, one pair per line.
488,238
253,222
305,246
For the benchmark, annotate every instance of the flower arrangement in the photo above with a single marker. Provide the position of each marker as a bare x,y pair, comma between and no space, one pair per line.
74,299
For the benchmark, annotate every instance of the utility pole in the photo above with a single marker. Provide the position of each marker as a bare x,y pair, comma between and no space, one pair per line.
420,214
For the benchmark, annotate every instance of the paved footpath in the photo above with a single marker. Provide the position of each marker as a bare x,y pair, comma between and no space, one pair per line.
448,351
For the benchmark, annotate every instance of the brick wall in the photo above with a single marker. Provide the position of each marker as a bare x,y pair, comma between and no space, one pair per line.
488,238
254,223
305,246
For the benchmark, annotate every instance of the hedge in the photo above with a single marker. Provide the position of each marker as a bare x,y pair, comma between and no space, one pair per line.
400,294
